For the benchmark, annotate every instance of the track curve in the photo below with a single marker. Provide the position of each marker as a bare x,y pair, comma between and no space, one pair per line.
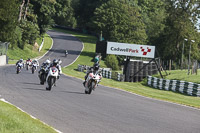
106,110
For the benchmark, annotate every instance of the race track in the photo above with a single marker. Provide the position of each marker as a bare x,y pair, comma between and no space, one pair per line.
106,110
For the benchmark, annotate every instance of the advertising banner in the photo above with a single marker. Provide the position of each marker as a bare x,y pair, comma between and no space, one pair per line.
130,49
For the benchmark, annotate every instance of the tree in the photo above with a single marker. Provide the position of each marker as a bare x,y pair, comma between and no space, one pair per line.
44,9
180,24
119,22
64,14
154,16
8,19
84,11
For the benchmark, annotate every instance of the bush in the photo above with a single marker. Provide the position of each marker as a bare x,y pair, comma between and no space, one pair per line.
112,62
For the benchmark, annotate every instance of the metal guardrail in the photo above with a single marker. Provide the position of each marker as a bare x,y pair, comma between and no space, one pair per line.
184,87
3,48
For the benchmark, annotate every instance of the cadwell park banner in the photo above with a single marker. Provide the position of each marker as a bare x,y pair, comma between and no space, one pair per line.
130,49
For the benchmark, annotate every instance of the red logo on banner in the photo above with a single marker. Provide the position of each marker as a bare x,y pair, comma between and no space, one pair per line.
145,51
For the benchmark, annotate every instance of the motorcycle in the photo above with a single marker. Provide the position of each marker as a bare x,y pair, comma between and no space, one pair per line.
66,53
92,82
42,74
18,67
52,77
34,67
28,64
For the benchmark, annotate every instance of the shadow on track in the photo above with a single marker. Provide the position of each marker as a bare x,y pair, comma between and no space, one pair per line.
35,89
31,83
73,92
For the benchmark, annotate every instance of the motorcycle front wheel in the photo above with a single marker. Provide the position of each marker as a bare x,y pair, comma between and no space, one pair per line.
51,82
89,87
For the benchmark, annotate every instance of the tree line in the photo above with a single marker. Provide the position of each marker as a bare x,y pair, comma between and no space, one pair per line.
165,24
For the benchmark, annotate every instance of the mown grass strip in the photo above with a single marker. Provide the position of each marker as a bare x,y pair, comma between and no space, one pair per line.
12,120
138,88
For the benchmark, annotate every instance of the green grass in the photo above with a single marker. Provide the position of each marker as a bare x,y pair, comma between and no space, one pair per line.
29,51
182,75
39,41
12,120
138,88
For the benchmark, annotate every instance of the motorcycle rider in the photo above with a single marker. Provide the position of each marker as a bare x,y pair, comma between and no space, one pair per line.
28,60
21,63
46,65
35,61
56,63
93,69
28,63
44,70
59,61
66,53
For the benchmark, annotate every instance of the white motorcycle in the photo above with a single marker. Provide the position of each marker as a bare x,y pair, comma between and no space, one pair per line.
52,77
92,82
28,64
34,67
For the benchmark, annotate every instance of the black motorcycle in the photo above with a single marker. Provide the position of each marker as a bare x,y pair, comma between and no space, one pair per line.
18,67
42,74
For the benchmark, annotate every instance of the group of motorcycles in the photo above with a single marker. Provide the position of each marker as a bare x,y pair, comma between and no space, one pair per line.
50,74
46,73
31,65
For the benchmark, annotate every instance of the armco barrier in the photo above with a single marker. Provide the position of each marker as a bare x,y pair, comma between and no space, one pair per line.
184,87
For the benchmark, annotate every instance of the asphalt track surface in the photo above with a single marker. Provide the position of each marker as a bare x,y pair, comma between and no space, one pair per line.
106,110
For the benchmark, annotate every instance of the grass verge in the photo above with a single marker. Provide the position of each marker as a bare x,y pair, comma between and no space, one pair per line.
138,88
29,51
12,120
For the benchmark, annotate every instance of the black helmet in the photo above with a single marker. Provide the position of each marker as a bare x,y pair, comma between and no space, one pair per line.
96,66
55,62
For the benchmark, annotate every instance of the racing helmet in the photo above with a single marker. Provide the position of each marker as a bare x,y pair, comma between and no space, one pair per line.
96,66
21,60
55,62
47,61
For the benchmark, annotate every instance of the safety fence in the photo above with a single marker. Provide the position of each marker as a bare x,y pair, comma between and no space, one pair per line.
105,73
184,87
3,48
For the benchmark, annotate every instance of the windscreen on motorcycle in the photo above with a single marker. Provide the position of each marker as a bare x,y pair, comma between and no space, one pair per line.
54,69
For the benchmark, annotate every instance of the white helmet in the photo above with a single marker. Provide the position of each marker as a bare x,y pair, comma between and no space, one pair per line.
47,61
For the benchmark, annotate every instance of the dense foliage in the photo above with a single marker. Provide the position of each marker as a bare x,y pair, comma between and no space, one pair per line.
162,23
112,62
